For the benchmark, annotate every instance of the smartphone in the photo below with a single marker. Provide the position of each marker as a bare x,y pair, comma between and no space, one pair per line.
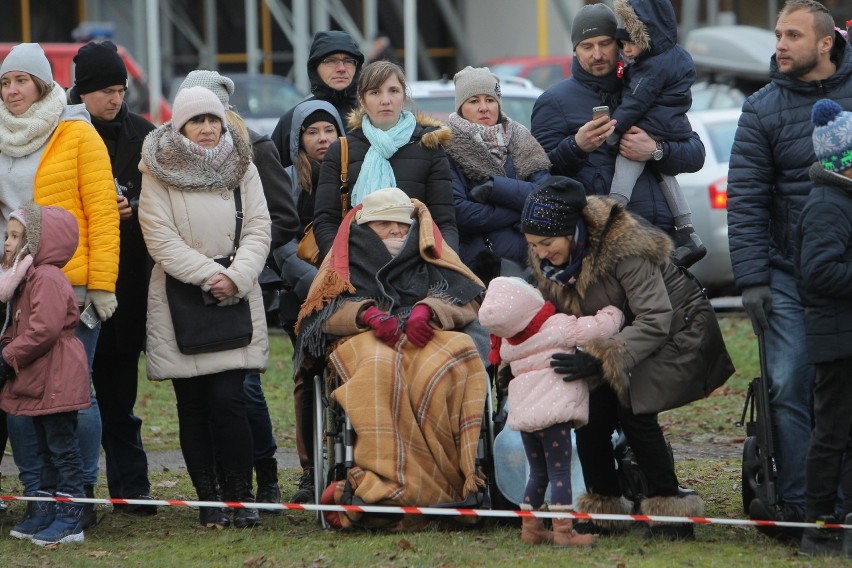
89,317
119,189
600,111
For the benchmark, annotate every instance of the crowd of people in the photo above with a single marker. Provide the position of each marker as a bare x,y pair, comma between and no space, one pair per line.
115,229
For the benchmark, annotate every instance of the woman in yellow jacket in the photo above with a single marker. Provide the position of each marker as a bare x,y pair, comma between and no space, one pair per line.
51,154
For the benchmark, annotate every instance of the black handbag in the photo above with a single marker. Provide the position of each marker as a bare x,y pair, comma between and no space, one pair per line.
201,325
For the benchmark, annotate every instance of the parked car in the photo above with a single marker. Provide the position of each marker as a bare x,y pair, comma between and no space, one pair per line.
737,55
61,58
438,98
259,99
544,72
707,193
707,96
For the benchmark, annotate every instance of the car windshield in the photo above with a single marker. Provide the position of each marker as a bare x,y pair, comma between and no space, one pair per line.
262,99
507,69
517,108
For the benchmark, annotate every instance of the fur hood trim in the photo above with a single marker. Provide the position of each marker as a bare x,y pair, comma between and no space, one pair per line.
675,506
433,133
613,235
606,505
475,161
634,26
168,159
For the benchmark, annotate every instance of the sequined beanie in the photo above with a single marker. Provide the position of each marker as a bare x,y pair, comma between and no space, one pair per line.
553,208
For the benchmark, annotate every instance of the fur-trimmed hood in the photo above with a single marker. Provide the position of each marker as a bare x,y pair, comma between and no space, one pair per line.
432,132
166,157
613,235
651,24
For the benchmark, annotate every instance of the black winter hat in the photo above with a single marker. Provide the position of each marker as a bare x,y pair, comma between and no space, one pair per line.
320,115
553,208
593,20
98,66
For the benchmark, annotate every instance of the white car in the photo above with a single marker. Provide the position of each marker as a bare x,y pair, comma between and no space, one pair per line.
438,98
707,193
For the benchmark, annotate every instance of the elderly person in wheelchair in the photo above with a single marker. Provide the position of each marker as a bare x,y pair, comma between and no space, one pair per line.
383,310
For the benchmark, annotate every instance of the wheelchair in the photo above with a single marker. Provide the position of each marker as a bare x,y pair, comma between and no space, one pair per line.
334,440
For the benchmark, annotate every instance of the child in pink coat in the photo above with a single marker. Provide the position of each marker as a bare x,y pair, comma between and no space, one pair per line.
541,405
44,364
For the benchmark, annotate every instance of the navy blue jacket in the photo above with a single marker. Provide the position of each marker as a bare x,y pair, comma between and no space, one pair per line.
825,266
560,112
658,84
768,179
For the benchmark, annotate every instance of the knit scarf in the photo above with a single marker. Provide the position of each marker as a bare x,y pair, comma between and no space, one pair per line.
543,314
495,138
567,273
376,171
608,88
21,135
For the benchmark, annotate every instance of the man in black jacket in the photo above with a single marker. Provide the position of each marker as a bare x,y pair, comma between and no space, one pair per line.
333,68
768,184
100,83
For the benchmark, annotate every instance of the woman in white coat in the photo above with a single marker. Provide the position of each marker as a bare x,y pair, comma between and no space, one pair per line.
190,168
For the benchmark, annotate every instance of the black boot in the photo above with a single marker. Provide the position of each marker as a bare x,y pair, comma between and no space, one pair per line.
238,489
305,493
205,486
266,471
822,542
688,247
89,516
759,511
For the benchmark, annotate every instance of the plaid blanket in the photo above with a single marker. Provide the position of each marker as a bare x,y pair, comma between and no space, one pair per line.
417,414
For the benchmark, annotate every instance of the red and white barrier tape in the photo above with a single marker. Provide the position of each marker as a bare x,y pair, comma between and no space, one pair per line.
436,511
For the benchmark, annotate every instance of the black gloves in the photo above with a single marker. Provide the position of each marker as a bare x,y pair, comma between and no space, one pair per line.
757,301
482,192
575,366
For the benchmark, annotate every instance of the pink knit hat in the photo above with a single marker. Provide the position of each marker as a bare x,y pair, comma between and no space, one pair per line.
195,101
509,306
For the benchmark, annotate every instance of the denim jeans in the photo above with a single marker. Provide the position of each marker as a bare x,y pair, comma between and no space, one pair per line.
59,453
23,437
832,439
257,412
791,383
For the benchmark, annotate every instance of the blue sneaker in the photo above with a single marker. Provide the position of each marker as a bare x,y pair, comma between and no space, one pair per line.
66,527
39,516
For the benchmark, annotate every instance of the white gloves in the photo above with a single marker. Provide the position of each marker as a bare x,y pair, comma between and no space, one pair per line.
105,302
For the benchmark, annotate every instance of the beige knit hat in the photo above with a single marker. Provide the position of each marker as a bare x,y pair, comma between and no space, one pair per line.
195,101
472,81
388,204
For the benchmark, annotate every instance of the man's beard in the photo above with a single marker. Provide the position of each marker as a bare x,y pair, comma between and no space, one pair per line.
800,68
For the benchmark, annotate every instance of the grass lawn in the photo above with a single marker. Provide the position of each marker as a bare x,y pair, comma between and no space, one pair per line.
172,538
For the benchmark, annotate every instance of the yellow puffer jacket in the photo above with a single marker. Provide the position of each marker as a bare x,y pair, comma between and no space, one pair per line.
75,174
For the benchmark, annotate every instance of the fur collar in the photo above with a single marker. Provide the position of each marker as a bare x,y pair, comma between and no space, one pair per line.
166,157
635,28
433,132
472,157
613,235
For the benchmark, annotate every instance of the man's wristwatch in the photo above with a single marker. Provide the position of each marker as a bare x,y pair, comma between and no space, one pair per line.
658,153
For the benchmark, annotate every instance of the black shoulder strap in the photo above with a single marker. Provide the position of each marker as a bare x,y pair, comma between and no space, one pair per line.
238,204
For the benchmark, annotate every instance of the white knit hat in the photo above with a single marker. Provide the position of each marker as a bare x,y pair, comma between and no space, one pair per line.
29,58
195,101
388,204
472,81
222,87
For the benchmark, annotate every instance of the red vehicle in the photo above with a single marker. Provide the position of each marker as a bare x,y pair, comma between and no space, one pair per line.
61,57
544,72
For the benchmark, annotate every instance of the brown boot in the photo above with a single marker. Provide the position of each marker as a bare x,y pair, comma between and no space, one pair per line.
564,533
533,531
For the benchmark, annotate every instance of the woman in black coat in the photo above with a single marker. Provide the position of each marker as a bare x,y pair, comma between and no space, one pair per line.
388,147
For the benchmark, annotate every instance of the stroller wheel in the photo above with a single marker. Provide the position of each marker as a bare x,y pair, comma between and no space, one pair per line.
752,472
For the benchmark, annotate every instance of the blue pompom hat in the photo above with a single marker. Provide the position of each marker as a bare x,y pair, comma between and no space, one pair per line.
832,135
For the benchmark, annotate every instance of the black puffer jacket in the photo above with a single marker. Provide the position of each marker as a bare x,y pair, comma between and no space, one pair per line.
768,179
825,266
421,168
325,43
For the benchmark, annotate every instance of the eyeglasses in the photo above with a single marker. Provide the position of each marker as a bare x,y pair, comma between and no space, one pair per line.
335,61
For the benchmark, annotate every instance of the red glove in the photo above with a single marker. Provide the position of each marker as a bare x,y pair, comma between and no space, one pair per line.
386,326
417,328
